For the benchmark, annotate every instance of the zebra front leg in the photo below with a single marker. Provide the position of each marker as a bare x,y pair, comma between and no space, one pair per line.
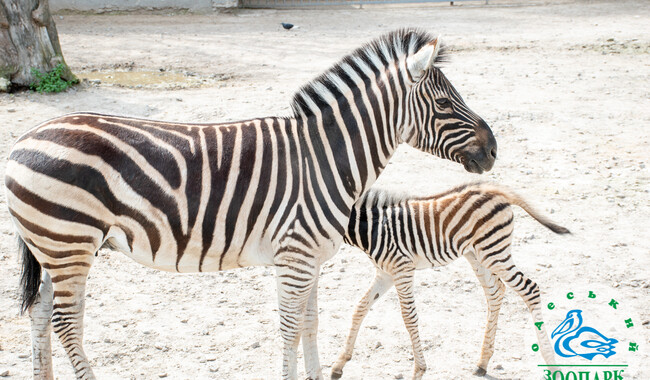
494,290
383,281
41,316
530,293
69,285
404,286
310,335
295,281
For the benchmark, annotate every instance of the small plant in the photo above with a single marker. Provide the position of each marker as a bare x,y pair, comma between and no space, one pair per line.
51,81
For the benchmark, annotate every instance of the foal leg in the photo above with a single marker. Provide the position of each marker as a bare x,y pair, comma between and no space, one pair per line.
404,286
310,334
69,285
494,291
41,316
383,281
505,268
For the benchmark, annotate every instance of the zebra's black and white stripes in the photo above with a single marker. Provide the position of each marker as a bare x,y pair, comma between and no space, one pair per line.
402,234
207,197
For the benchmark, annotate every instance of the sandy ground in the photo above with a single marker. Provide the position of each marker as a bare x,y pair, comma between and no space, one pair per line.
565,89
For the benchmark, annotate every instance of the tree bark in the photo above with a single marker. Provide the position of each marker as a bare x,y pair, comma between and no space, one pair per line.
28,40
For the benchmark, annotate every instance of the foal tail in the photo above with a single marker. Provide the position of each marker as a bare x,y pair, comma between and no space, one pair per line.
545,221
30,277
514,199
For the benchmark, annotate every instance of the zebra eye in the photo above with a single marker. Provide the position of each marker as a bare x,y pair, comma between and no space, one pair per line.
443,102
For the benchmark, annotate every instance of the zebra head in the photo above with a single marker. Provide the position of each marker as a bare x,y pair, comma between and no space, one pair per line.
438,121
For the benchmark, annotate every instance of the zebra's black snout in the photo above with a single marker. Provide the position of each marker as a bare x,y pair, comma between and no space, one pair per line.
479,157
486,139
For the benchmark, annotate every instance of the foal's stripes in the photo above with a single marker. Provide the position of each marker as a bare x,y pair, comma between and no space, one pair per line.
401,234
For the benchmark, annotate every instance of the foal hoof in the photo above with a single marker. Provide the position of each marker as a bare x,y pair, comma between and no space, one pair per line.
479,371
336,374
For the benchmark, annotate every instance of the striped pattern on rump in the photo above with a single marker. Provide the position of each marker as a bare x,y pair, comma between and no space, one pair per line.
402,234
206,197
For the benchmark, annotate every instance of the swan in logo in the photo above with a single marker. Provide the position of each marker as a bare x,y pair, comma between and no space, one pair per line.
575,340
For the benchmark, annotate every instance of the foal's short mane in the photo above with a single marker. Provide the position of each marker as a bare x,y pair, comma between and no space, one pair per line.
384,197
388,48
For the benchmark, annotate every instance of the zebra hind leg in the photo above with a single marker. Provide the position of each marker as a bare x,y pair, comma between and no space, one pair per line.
69,285
404,286
40,314
383,281
494,290
504,267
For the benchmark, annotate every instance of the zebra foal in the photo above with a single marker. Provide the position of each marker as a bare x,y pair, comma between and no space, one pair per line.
402,234
185,197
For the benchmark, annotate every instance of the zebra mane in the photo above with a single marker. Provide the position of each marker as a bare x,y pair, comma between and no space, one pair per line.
387,49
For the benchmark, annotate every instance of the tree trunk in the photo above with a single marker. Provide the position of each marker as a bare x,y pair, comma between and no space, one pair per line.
28,40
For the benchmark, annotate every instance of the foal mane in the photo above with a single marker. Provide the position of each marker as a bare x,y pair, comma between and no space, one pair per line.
380,197
386,49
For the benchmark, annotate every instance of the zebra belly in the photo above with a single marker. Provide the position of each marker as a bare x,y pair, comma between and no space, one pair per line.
256,252
422,262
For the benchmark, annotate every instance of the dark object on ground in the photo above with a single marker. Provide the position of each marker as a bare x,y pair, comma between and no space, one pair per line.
287,26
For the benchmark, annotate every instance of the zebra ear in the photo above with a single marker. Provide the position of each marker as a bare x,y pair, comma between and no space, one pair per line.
423,59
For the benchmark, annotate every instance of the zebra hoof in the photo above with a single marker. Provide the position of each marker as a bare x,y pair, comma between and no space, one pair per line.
479,371
336,374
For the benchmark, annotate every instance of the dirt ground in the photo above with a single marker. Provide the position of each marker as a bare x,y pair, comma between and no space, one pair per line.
565,88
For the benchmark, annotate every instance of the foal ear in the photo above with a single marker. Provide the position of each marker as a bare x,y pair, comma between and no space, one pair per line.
423,59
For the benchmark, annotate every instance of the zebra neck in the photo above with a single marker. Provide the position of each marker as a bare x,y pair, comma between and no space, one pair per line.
356,134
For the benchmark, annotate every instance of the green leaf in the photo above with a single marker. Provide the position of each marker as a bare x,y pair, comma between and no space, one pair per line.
51,81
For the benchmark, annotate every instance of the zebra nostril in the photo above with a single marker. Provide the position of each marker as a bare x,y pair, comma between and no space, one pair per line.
493,152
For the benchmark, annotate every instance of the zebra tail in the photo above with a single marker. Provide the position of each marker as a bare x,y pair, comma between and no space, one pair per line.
543,220
30,277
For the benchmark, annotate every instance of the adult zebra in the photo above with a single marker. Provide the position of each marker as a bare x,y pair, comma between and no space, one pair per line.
207,197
